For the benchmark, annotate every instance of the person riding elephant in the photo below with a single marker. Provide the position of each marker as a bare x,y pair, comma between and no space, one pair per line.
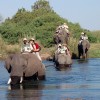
63,56
24,66
35,48
83,46
83,37
26,47
61,35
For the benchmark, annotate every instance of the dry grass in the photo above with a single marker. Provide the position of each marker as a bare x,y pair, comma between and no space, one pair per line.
94,51
5,49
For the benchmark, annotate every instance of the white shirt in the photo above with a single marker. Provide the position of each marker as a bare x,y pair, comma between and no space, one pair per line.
62,50
26,48
83,37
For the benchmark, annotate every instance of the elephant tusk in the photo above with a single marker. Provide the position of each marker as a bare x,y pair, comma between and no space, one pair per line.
21,79
9,81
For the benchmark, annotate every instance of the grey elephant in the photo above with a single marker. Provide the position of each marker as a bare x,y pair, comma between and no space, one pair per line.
24,66
83,49
61,36
62,60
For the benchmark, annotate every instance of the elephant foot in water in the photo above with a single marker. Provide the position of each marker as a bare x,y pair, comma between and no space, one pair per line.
42,77
35,78
63,65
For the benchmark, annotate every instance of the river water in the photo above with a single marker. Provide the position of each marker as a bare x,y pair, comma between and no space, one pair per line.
79,82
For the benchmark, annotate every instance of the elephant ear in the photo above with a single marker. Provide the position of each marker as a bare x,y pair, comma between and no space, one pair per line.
8,63
88,44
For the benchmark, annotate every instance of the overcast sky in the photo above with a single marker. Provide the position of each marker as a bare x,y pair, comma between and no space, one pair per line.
84,12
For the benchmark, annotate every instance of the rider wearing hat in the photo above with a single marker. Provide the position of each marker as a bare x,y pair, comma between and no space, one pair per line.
26,47
36,48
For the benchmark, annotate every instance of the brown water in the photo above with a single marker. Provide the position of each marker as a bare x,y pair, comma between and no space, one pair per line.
80,82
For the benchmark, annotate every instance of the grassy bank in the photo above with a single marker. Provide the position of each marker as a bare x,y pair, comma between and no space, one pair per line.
6,49
94,51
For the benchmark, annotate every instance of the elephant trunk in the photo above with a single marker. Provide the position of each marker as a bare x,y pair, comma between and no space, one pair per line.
15,80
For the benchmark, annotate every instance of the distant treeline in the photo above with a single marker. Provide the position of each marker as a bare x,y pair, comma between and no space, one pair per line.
40,23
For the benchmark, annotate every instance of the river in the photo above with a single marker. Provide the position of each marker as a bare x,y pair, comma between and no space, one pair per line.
79,82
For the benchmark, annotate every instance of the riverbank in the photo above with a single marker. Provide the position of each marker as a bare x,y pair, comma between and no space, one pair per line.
46,53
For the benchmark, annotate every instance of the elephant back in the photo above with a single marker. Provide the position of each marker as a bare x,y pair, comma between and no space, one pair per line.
33,64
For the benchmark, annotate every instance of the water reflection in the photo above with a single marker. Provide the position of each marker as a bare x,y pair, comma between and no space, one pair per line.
30,91
82,61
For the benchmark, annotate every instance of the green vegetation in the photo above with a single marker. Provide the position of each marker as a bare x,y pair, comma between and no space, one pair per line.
40,23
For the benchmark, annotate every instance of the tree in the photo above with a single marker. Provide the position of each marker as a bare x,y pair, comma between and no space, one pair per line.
41,4
1,18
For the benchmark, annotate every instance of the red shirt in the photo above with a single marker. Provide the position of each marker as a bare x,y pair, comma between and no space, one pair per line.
37,46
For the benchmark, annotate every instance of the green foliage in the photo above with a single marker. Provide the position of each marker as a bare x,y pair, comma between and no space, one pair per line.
1,18
41,22
92,38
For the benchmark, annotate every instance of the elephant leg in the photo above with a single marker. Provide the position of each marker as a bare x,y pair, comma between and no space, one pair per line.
41,72
79,51
33,77
86,52
79,54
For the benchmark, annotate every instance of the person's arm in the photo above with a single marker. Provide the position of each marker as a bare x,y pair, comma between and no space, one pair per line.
58,50
31,49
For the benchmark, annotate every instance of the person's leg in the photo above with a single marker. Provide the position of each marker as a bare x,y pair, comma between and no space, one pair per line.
38,55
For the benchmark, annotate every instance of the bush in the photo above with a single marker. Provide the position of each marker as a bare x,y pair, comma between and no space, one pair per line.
92,38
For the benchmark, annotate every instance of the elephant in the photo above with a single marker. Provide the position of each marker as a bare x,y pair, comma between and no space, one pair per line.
25,66
62,60
83,48
62,36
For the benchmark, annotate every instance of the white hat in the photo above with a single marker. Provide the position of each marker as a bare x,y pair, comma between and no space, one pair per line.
82,33
65,24
24,39
32,39
59,45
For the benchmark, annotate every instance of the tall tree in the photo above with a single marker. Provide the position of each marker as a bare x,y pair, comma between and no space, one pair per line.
41,4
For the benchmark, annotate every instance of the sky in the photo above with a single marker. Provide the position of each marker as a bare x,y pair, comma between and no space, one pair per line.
84,12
